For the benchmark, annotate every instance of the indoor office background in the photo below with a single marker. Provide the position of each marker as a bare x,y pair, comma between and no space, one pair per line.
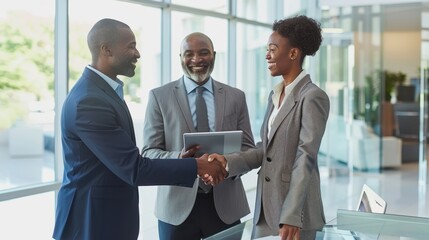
373,63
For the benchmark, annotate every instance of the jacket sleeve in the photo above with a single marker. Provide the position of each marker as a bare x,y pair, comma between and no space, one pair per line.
106,134
315,111
154,143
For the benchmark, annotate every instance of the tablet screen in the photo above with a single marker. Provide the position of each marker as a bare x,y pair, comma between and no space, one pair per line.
214,142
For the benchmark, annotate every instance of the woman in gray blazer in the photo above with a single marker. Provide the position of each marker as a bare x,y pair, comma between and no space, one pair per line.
288,198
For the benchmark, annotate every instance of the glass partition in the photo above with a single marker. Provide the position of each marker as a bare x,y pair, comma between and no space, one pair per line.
350,62
377,85
424,81
409,94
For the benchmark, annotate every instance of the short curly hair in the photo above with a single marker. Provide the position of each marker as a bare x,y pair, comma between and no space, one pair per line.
303,33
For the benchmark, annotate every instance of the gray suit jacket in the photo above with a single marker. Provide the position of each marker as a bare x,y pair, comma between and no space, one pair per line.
289,182
167,117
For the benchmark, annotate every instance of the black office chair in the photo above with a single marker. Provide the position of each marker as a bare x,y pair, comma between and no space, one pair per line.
407,122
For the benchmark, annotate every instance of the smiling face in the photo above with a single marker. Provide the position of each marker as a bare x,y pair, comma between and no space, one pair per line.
280,55
124,53
197,57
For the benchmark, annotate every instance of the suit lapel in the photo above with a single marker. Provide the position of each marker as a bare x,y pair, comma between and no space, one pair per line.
103,85
284,111
289,104
182,101
130,120
110,93
264,129
219,96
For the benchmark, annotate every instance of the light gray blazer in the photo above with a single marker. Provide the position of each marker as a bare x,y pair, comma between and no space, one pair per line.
167,117
288,187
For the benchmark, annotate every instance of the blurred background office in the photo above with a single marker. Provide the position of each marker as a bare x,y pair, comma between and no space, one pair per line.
373,63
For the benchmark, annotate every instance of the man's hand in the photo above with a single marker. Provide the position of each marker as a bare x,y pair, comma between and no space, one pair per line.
210,170
190,152
289,232
220,158
207,179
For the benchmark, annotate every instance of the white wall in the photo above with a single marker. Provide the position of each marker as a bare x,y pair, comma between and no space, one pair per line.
401,52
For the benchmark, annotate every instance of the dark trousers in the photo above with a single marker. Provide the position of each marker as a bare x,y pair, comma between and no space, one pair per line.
202,222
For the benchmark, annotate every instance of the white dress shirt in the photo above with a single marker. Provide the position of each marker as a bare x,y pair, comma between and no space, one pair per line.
278,89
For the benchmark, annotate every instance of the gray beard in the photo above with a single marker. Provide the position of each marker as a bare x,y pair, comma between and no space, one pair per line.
199,77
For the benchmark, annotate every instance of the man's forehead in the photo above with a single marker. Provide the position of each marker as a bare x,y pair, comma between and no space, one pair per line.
196,41
195,48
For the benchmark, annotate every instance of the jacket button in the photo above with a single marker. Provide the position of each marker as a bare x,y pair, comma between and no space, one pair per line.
267,179
269,159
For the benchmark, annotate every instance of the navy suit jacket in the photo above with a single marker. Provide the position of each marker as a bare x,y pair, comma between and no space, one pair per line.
103,167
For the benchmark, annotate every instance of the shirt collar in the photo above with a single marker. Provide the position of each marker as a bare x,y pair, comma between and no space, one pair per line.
113,83
297,80
190,85
278,88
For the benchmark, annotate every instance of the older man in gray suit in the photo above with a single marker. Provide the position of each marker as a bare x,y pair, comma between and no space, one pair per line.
195,213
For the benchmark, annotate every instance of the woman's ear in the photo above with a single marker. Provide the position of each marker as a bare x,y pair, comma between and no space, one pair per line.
294,53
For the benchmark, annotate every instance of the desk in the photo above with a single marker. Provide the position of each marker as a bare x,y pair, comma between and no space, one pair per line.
380,226
351,225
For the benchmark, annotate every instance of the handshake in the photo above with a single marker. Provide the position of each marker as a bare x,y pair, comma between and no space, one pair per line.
211,168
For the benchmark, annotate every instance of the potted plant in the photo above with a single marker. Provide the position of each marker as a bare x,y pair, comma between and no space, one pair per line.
391,81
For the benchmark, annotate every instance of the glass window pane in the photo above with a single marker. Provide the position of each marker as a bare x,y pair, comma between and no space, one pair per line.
27,93
252,72
425,19
29,217
184,24
293,7
261,11
146,25
210,5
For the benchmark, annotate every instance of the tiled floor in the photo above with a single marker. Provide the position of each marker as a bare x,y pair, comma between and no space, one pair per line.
399,187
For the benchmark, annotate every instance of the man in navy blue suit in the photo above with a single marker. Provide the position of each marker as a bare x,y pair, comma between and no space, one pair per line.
102,165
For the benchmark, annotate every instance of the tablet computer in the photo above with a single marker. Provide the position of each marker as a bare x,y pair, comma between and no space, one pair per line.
214,142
